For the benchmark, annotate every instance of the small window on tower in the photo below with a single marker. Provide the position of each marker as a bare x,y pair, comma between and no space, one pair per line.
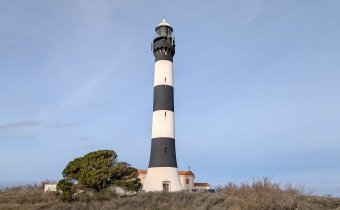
187,181
165,79
165,149
165,114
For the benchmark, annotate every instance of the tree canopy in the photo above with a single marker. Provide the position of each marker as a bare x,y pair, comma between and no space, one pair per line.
98,170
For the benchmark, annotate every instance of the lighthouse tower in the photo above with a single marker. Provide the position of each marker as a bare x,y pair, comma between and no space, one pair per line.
162,174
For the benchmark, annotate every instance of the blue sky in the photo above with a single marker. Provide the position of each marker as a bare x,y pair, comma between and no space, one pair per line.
257,87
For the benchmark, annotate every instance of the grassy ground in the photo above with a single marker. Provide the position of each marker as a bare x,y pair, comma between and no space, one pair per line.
260,195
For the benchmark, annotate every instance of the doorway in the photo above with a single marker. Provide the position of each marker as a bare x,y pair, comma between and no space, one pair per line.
166,186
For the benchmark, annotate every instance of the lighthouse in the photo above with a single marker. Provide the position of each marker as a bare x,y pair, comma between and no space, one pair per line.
162,174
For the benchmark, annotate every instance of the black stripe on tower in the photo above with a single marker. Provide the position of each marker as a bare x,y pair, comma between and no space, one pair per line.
164,48
163,153
163,98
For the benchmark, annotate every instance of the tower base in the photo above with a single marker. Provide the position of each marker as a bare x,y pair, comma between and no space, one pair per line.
162,179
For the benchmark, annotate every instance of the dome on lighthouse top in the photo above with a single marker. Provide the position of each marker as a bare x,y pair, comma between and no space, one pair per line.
164,23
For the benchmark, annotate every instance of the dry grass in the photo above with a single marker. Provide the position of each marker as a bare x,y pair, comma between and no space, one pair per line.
260,195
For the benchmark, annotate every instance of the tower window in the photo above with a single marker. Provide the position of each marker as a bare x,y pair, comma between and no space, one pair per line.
187,181
165,79
165,114
165,149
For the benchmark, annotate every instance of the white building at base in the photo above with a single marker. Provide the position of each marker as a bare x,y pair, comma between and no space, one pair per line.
50,188
187,180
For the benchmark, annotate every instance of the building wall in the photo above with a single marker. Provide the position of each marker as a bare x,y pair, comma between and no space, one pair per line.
186,186
202,187
50,188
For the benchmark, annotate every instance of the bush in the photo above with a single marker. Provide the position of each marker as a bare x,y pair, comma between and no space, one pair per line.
97,171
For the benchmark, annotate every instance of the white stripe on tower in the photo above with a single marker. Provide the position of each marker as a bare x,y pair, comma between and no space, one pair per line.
163,124
163,73
162,173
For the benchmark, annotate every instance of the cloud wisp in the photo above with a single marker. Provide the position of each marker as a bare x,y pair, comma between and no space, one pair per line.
20,124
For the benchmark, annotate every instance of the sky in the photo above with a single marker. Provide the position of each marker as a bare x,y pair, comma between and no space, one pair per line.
257,87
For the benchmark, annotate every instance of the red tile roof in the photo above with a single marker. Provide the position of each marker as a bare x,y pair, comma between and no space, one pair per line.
188,173
140,171
198,184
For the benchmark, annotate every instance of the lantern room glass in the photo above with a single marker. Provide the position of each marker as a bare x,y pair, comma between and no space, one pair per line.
164,31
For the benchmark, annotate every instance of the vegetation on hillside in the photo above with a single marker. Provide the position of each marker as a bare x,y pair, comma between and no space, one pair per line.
259,195
96,172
